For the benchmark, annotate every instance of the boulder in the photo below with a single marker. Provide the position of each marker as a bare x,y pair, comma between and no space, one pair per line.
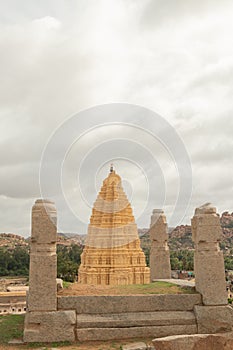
195,342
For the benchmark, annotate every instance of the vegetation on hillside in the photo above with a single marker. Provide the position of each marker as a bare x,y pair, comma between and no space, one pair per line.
14,262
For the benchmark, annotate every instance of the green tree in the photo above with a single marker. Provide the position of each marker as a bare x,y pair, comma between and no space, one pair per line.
68,261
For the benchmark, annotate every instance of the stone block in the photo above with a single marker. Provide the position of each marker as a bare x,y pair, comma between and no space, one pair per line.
133,303
210,277
42,283
87,334
206,208
135,346
211,233
136,319
160,267
49,326
214,319
195,342
44,219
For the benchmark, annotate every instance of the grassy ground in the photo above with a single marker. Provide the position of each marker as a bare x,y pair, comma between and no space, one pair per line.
11,327
133,289
158,287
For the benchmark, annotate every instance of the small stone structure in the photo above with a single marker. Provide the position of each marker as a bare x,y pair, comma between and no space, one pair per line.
52,318
160,267
12,303
112,253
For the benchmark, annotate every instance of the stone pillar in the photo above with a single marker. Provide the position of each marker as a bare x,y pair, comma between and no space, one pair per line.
208,259
214,316
43,258
160,267
43,322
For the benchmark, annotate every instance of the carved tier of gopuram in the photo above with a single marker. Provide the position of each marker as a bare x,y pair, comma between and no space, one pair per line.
112,253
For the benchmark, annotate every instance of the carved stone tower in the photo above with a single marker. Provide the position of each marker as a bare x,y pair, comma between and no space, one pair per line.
112,254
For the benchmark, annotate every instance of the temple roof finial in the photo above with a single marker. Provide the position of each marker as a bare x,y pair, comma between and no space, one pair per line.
111,168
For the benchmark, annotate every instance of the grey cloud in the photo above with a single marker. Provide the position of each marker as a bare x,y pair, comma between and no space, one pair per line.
157,11
60,57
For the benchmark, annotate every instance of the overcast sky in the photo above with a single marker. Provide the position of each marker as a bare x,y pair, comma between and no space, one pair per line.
58,58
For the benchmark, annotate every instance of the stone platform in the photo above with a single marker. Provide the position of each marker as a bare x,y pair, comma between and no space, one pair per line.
124,317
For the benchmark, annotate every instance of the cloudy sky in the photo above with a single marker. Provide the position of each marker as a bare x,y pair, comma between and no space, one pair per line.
59,58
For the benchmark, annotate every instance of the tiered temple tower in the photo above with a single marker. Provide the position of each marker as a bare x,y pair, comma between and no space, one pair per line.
112,254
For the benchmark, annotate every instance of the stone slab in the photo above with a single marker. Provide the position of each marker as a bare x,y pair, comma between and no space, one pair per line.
214,319
133,332
158,318
49,326
195,342
134,303
135,346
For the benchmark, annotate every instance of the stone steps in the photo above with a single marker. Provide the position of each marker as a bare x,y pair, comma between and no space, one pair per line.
131,325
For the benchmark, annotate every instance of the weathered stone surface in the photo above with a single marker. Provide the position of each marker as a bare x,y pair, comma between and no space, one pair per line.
214,319
43,259
49,326
159,318
135,346
42,283
44,222
160,263
210,277
133,303
195,342
84,334
160,267
112,253
208,259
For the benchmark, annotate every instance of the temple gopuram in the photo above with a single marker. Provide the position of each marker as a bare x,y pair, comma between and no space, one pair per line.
112,253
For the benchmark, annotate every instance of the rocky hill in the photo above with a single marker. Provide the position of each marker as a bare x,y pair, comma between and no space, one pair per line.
11,240
181,236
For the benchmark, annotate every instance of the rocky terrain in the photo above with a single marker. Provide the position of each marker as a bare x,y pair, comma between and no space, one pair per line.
179,237
11,240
